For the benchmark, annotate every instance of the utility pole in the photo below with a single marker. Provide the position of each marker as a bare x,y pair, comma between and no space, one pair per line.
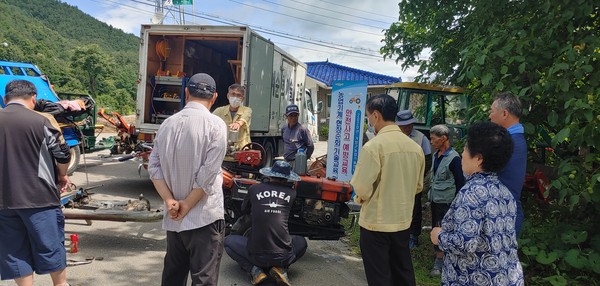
173,10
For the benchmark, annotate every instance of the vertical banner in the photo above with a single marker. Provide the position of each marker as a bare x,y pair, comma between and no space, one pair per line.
346,120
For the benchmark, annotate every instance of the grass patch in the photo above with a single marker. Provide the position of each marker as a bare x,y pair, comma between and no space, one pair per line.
422,255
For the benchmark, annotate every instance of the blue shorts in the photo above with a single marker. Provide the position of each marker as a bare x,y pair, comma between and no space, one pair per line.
31,240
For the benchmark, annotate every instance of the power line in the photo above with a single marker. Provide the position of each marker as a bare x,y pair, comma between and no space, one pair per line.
332,45
320,44
338,12
309,12
349,49
352,8
322,51
300,18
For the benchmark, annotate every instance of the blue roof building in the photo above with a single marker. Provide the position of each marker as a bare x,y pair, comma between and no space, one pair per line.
327,72
320,76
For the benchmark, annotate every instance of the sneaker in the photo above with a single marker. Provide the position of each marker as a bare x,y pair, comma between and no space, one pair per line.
437,267
258,275
280,275
413,241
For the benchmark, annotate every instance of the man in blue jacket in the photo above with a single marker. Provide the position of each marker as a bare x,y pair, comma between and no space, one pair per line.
506,112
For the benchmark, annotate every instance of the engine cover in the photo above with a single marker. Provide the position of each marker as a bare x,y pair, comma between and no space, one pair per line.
248,157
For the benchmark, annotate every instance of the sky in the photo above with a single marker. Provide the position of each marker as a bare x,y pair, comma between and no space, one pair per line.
307,29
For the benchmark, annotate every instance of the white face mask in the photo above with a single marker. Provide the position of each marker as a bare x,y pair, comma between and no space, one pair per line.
370,127
235,102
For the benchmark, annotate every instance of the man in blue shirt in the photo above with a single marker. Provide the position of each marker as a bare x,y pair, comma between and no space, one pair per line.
295,136
506,112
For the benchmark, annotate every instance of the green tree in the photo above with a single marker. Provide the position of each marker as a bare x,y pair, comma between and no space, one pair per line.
92,65
547,53
48,33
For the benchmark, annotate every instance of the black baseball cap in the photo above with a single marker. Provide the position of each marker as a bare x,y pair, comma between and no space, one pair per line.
292,108
202,81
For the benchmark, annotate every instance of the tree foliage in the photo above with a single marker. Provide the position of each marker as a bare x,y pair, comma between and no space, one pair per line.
92,66
547,53
79,53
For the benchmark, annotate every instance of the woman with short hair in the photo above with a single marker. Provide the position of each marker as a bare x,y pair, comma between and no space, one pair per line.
478,231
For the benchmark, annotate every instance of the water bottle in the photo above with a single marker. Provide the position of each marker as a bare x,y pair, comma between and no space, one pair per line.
300,162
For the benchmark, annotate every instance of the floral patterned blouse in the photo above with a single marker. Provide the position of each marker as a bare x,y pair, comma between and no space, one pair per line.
478,235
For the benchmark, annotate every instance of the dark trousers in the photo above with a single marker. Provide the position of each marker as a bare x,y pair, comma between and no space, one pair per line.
519,219
386,258
235,246
196,252
438,211
417,216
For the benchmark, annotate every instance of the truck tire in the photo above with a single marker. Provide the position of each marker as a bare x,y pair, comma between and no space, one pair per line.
269,153
74,163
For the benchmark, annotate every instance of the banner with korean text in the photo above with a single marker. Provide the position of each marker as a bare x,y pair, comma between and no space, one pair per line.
346,121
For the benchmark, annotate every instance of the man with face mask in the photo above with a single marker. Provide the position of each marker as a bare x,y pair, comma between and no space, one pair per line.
388,175
185,168
236,115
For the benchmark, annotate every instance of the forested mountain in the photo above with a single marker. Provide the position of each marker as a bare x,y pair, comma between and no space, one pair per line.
77,52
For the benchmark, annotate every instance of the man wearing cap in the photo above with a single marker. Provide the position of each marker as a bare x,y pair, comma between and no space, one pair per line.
406,121
185,167
236,115
269,247
295,136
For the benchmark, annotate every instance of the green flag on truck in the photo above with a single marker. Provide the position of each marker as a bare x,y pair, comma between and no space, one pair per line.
183,2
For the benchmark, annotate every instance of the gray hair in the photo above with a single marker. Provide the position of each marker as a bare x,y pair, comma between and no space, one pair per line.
510,102
237,86
440,130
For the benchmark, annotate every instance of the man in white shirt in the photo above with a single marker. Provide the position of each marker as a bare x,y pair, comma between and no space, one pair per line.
185,168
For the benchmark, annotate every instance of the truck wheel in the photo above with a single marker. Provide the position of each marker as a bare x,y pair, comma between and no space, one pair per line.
269,154
74,163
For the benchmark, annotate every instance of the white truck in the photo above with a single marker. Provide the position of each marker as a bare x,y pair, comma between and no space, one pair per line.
170,54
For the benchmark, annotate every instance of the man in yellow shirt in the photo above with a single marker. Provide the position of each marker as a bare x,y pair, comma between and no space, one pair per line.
388,174
236,115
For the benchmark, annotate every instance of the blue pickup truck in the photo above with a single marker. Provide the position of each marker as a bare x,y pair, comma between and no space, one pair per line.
79,128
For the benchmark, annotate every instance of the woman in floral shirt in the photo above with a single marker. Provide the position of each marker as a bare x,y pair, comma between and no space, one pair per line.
477,234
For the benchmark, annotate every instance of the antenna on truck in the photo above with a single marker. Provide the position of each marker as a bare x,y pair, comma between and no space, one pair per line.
171,9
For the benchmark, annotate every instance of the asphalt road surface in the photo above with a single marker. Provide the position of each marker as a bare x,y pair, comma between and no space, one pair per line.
130,253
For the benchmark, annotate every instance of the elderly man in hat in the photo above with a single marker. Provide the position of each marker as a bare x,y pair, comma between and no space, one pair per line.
406,122
295,136
269,247
185,168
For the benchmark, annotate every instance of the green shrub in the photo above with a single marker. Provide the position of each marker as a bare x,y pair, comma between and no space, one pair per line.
324,132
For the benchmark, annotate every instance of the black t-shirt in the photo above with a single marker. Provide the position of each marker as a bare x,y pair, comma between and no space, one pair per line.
31,145
269,205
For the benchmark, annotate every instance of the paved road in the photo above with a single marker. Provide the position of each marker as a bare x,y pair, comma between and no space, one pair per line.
133,252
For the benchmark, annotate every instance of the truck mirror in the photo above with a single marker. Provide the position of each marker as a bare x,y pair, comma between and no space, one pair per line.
319,106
